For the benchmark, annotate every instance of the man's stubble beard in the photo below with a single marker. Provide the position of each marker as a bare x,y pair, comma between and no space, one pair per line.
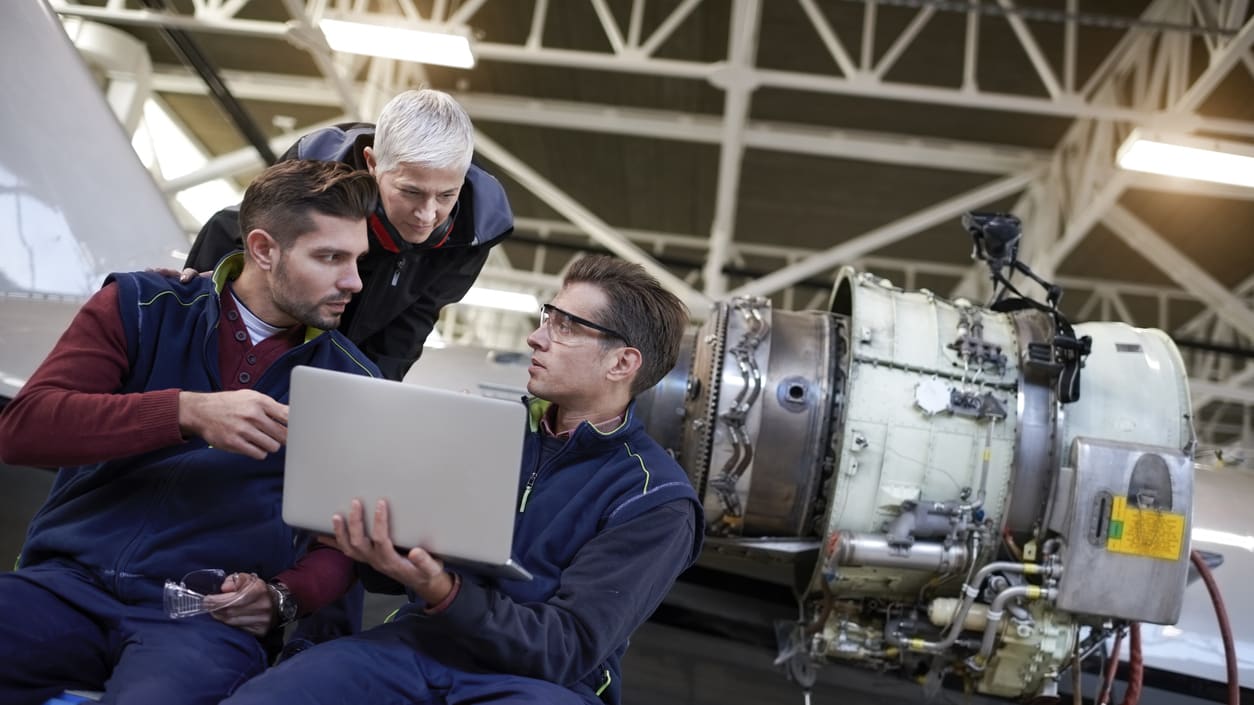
306,314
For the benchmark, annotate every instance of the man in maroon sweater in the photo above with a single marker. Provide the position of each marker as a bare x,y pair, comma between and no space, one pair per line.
164,404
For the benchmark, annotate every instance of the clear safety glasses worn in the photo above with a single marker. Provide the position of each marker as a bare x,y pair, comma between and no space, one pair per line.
561,325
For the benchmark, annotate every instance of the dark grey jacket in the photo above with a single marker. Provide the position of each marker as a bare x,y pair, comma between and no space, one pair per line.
404,286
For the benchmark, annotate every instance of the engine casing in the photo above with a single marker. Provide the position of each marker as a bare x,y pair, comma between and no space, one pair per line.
926,445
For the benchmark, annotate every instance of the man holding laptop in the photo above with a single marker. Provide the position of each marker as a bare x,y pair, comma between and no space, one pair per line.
164,404
605,520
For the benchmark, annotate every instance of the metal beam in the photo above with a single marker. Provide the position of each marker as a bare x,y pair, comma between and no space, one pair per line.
1198,324
880,147
1070,105
1077,228
830,40
1085,151
634,23
538,13
250,85
899,46
149,18
464,13
1205,394
1180,269
240,160
734,80
879,237
1069,48
1221,62
596,228
1204,391
609,25
1043,70
660,241
307,35
664,30
1132,42
228,9
126,64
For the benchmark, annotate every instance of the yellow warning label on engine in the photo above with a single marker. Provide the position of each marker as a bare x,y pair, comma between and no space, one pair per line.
1144,532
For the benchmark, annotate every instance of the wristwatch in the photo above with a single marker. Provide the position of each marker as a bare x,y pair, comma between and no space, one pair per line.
284,603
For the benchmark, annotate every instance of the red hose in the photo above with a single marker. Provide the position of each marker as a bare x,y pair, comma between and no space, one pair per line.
1103,693
1225,629
1136,669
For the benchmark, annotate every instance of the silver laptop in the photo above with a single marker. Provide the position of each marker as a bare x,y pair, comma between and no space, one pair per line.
446,462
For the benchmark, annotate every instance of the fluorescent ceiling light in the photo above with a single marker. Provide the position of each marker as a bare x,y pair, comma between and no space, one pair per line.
1189,157
399,42
495,298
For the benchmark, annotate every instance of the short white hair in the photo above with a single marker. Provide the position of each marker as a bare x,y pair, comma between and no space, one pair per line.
426,128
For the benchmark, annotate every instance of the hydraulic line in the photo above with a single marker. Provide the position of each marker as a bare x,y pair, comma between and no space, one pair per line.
1103,693
1225,629
969,593
1136,667
995,613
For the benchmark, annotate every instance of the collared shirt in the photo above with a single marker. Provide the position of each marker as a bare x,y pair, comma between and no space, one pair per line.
549,421
240,362
93,352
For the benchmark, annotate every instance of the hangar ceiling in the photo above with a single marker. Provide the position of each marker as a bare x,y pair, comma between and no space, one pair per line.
754,146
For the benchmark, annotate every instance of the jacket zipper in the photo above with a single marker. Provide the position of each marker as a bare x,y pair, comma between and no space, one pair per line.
535,475
171,477
124,557
396,273
531,482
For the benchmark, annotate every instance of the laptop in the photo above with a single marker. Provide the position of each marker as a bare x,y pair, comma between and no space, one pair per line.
447,463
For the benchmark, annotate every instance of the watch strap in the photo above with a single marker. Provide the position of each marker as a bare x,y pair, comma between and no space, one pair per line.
284,603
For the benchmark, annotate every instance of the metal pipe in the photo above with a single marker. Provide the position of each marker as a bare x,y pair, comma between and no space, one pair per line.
1032,592
969,592
874,550
987,457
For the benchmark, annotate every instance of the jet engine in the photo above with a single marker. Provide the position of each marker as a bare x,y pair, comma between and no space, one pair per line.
978,512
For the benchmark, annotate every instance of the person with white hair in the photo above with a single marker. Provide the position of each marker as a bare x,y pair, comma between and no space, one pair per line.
437,217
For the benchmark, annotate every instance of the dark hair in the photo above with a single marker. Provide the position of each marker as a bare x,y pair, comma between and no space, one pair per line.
283,198
651,317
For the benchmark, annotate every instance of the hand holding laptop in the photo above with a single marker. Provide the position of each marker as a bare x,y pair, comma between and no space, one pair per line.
446,463
417,570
